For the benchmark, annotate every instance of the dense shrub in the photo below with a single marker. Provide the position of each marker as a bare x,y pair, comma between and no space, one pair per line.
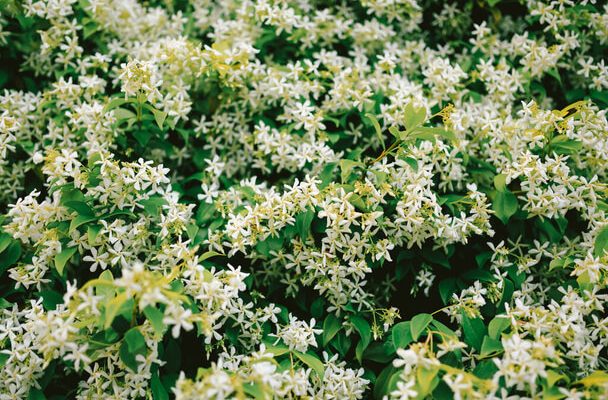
303,199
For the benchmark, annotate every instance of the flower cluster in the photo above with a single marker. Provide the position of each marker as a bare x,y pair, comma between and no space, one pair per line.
389,199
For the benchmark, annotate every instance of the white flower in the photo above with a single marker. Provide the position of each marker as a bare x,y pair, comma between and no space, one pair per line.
298,335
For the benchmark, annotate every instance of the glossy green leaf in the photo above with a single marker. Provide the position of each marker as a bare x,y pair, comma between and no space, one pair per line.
497,326
311,361
419,323
490,346
505,205
5,241
159,117
474,331
10,255
331,326
112,308
92,233
303,223
377,128
413,116
601,242
155,316
80,220
346,168
365,331
62,258
402,335
158,390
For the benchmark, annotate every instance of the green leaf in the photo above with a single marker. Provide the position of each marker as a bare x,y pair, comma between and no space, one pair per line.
92,232
365,331
447,288
81,207
105,288
36,394
443,328
500,182
155,316
5,304
277,350
601,97
346,167
5,240
270,244
158,390
555,73
342,343
312,361
505,205
490,346
127,357
414,116
485,369
116,102
552,393
382,383
357,201
10,255
112,308
89,29
419,324
3,358
209,254
396,132
62,258
317,307
553,377
429,133
377,128
93,159
507,294
596,378
601,242
80,220
327,174
497,326
402,335
412,163
192,231
426,380
479,274
562,144
255,390
135,340
159,117
142,136
71,195
382,353
153,205
474,331
133,344
122,114
50,299
303,222
331,326
360,349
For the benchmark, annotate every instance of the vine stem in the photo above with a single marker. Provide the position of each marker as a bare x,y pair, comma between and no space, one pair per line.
387,151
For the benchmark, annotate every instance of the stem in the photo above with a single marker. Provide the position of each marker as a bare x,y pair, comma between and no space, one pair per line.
139,109
387,151
443,308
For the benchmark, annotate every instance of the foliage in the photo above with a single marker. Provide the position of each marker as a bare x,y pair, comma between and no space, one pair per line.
291,199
